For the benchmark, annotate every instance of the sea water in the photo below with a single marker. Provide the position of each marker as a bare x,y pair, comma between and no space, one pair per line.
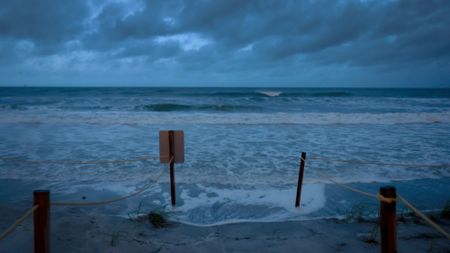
242,148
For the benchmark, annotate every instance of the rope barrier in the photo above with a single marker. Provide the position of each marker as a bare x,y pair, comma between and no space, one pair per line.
423,216
18,222
317,157
315,169
34,208
142,158
367,194
390,200
104,202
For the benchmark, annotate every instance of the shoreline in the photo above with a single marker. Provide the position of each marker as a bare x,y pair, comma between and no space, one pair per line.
84,230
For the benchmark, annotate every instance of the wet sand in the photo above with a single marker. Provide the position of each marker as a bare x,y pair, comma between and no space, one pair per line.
85,230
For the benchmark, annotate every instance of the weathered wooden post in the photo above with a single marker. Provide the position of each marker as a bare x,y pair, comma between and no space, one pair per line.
172,167
300,179
171,151
42,221
388,220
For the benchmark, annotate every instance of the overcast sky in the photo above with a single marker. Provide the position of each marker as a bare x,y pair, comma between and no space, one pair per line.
225,43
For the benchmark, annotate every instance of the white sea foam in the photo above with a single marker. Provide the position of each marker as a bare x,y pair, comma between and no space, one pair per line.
146,118
215,206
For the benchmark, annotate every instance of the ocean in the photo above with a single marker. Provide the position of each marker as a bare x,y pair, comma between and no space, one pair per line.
242,148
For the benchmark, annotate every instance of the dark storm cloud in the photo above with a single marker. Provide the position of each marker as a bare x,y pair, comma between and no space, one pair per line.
245,39
282,28
115,24
45,23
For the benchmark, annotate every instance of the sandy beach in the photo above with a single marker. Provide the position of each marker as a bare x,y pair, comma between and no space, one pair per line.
84,230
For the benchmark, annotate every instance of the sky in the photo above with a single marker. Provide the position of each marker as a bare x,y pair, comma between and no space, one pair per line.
371,43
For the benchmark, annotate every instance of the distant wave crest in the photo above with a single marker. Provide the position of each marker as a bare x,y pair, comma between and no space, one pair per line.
277,93
270,93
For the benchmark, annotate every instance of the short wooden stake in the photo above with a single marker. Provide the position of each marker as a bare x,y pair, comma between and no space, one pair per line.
42,221
172,167
300,180
388,221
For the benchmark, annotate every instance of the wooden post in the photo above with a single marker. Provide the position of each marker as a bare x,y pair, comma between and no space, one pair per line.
300,179
388,221
42,221
172,167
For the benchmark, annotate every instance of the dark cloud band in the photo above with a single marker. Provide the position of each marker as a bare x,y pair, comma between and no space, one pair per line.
230,40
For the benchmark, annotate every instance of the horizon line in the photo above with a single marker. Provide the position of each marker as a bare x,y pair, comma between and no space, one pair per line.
220,87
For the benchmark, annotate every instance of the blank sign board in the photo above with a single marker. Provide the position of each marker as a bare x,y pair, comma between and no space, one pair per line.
164,146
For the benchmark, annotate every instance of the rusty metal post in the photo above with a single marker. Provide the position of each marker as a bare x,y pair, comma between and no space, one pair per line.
300,179
172,167
388,221
42,221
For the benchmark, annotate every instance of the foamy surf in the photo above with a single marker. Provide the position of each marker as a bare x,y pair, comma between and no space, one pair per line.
136,118
207,205
242,147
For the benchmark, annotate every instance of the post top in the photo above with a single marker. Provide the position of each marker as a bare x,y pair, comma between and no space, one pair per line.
388,191
41,191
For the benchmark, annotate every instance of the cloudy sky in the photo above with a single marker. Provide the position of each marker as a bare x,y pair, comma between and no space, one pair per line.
225,43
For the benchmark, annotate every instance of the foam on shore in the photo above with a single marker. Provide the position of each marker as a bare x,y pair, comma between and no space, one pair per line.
214,206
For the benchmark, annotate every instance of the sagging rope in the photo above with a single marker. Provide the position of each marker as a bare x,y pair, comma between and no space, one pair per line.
423,216
34,208
18,222
318,157
136,159
390,200
367,194
104,202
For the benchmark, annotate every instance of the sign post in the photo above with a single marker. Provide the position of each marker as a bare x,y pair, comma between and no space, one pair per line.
171,150
172,167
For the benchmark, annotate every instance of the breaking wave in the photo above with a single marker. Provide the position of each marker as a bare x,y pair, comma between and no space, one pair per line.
269,93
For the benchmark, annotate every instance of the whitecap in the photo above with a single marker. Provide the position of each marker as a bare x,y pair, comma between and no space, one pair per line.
270,93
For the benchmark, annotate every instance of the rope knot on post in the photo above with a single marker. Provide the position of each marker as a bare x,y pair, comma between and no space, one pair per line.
386,199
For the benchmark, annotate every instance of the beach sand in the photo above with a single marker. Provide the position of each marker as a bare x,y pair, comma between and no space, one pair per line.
85,230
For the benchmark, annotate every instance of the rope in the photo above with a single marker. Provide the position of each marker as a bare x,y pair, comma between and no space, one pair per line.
104,202
18,222
423,216
317,157
367,194
142,158
390,200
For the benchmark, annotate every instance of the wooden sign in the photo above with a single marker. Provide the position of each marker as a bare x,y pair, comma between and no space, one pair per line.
171,140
